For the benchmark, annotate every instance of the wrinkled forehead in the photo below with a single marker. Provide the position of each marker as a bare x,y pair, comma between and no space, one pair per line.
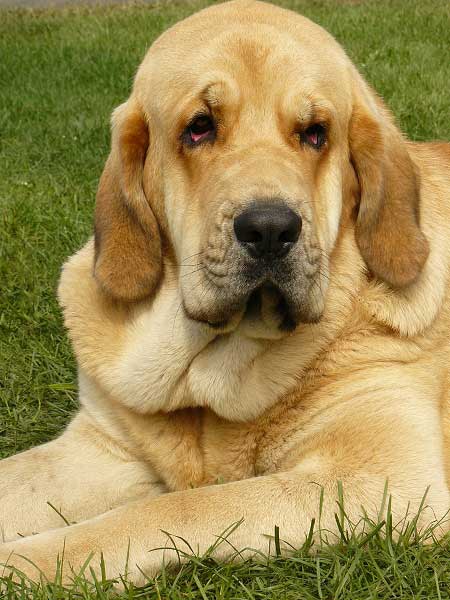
240,63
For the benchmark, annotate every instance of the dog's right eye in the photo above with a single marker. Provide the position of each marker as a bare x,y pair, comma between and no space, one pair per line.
201,129
315,136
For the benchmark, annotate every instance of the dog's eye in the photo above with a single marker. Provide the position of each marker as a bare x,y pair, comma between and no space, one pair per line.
315,136
200,129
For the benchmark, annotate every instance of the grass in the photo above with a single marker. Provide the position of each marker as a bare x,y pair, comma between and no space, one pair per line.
62,73
385,561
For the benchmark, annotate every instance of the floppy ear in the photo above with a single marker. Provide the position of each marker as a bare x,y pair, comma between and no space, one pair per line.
127,241
387,227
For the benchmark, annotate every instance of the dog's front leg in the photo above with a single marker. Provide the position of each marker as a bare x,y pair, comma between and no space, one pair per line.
75,477
128,536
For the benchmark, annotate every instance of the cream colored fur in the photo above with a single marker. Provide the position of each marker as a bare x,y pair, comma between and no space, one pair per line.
186,429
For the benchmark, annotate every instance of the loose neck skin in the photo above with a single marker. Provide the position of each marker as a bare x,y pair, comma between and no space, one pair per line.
153,358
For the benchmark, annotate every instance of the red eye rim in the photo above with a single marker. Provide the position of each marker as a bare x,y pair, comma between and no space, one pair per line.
202,128
314,136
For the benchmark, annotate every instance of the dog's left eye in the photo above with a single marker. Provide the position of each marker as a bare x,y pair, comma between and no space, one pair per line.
315,136
200,129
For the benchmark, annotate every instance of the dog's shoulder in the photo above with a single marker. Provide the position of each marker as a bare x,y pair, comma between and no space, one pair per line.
94,321
412,310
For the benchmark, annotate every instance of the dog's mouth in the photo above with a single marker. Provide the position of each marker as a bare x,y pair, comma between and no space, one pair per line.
270,305
265,312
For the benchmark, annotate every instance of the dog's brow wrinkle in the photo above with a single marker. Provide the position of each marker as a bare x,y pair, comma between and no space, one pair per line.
211,93
305,112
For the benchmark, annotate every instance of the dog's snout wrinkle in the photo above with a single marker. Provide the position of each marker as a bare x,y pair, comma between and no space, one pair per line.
268,231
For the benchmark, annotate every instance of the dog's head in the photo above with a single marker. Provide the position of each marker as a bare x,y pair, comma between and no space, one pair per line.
248,142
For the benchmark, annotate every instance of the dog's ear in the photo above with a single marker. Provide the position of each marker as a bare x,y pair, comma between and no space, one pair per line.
387,227
127,241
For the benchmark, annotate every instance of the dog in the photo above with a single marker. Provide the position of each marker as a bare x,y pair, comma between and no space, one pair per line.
261,318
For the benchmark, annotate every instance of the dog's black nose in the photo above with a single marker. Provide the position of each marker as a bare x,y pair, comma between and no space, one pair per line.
268,230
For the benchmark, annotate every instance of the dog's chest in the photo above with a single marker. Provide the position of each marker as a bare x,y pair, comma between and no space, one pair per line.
238,451
209,450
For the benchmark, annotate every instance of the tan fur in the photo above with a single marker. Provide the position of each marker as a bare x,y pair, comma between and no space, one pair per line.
195,414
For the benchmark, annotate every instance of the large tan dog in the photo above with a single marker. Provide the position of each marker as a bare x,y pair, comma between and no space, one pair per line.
264,311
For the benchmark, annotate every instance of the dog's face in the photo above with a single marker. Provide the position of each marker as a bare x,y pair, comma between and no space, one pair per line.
251,164
248,142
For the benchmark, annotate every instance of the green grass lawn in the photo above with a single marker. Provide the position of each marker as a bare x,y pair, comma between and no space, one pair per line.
62,73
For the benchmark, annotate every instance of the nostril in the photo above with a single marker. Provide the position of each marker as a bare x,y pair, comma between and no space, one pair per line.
251,236
291,235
